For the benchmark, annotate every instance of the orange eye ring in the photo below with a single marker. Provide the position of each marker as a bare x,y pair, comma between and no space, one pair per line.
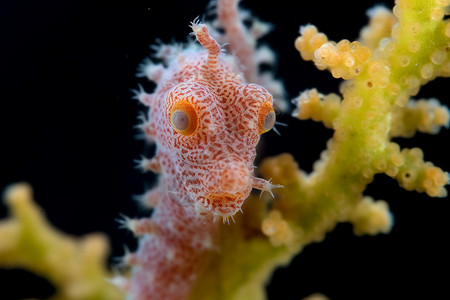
183,118
266,117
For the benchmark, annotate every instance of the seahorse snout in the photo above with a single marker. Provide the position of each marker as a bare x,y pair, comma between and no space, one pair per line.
228,192
234,178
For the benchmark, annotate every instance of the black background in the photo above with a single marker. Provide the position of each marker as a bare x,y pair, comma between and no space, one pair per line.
66,118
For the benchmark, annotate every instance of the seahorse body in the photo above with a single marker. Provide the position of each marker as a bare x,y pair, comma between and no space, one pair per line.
206,121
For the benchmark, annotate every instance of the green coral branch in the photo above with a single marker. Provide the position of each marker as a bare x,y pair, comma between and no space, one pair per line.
244,259
75,266
396,55
426,116
382,80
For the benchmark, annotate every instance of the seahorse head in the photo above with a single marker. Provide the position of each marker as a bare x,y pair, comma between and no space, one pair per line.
211,133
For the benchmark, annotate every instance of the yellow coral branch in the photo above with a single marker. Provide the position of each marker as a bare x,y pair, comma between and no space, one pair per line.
427,116
389,64
75,266
318,107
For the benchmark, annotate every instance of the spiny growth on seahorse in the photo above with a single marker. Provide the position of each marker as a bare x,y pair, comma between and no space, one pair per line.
206,122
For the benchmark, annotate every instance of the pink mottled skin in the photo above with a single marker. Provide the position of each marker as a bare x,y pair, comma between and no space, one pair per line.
206,122
243,46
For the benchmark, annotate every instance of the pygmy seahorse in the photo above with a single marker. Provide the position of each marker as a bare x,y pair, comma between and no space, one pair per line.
206,122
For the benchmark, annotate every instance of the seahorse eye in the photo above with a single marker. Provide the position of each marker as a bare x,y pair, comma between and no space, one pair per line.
180,120
183,118
266,118
269,121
